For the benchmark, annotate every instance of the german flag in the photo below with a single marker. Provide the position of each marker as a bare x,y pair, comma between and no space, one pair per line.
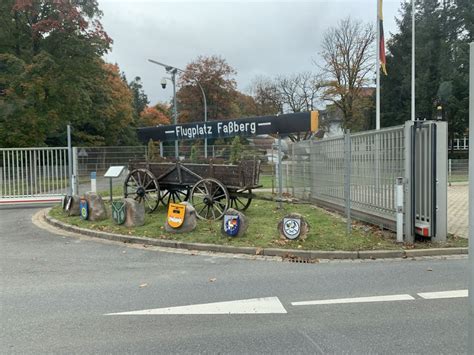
381,39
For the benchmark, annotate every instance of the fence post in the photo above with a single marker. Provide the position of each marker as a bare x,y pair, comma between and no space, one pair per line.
280,172
471,199
293,169
93,181
69,151
399,207
75,174
449,170
347,179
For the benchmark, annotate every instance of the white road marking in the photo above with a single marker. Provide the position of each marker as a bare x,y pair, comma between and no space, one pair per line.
267,305
169,132
443,294
264,124
404,297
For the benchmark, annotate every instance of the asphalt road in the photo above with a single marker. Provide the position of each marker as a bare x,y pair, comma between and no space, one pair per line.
58,289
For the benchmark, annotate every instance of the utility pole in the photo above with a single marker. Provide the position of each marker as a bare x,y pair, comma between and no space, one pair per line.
173,71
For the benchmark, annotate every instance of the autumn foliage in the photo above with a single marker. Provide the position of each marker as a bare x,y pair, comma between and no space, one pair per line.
52,74
153,116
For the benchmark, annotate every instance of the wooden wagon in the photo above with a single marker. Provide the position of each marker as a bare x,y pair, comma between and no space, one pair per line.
210,188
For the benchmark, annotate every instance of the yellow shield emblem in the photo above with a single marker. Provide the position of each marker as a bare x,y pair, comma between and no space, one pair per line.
176,214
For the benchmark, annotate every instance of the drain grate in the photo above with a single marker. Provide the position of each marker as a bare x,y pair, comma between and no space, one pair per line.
296,259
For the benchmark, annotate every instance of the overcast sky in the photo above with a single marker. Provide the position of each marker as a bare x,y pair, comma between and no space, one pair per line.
254,37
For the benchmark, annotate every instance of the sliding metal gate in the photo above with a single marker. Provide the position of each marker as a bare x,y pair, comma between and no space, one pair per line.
426,173
361,171
33,174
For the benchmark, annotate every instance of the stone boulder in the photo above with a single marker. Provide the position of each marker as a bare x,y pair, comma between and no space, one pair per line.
96,207
190,221
134,213
295,227
243,222
74,209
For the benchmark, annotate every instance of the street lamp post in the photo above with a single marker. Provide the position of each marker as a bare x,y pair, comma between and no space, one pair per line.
173,70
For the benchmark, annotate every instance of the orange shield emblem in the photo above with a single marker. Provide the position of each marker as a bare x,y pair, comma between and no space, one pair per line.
176,214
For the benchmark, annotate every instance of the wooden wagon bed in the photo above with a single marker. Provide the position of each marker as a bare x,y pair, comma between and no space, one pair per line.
211,188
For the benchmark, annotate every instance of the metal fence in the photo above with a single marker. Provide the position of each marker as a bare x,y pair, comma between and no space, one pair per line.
459,144
319,171
97,160
458,170
33,173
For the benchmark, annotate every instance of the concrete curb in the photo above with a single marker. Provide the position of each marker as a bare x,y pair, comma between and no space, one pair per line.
291,254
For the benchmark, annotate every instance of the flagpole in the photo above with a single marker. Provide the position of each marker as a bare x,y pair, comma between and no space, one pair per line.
377,79
413,60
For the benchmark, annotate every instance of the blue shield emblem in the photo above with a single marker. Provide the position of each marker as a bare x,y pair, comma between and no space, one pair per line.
231,225
83,207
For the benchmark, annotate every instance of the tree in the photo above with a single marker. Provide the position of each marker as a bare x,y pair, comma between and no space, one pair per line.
236,150
140,99
266,96
244,106
217,80
52,74
347,56
153,116
443,32
298,92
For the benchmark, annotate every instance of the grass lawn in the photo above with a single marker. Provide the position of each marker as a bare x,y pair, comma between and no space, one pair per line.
327,231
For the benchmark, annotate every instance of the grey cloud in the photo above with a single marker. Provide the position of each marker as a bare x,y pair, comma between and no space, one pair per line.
256,38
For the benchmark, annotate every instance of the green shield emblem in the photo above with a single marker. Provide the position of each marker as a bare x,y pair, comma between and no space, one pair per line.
118,212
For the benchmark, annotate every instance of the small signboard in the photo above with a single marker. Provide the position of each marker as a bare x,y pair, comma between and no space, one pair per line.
83,208
291,227
64,202
176,214
69,203
231,225
118,212
114,171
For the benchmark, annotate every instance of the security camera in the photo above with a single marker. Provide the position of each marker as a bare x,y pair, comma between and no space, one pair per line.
163,83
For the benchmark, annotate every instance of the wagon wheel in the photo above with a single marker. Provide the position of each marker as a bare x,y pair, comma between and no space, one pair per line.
240,200
141,185
174,195
210,199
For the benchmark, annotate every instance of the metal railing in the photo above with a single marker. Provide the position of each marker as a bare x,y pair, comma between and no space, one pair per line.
357,173
318,171
98,159
458,170
33,173
459,144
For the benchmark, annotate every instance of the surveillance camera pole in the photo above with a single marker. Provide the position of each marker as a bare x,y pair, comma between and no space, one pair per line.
173,71
175,111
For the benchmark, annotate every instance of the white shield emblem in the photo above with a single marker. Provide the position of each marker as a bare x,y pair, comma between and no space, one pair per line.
291,227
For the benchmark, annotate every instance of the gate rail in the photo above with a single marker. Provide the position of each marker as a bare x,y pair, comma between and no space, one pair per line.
33,174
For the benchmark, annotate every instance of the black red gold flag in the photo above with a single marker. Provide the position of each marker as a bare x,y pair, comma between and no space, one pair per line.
382,40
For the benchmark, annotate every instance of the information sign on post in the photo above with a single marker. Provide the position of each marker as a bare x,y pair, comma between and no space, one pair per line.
112,173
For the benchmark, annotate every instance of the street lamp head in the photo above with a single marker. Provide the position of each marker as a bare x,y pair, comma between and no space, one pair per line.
163,83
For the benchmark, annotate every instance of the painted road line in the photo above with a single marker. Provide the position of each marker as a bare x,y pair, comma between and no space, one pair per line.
267,305
443,294
390,298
